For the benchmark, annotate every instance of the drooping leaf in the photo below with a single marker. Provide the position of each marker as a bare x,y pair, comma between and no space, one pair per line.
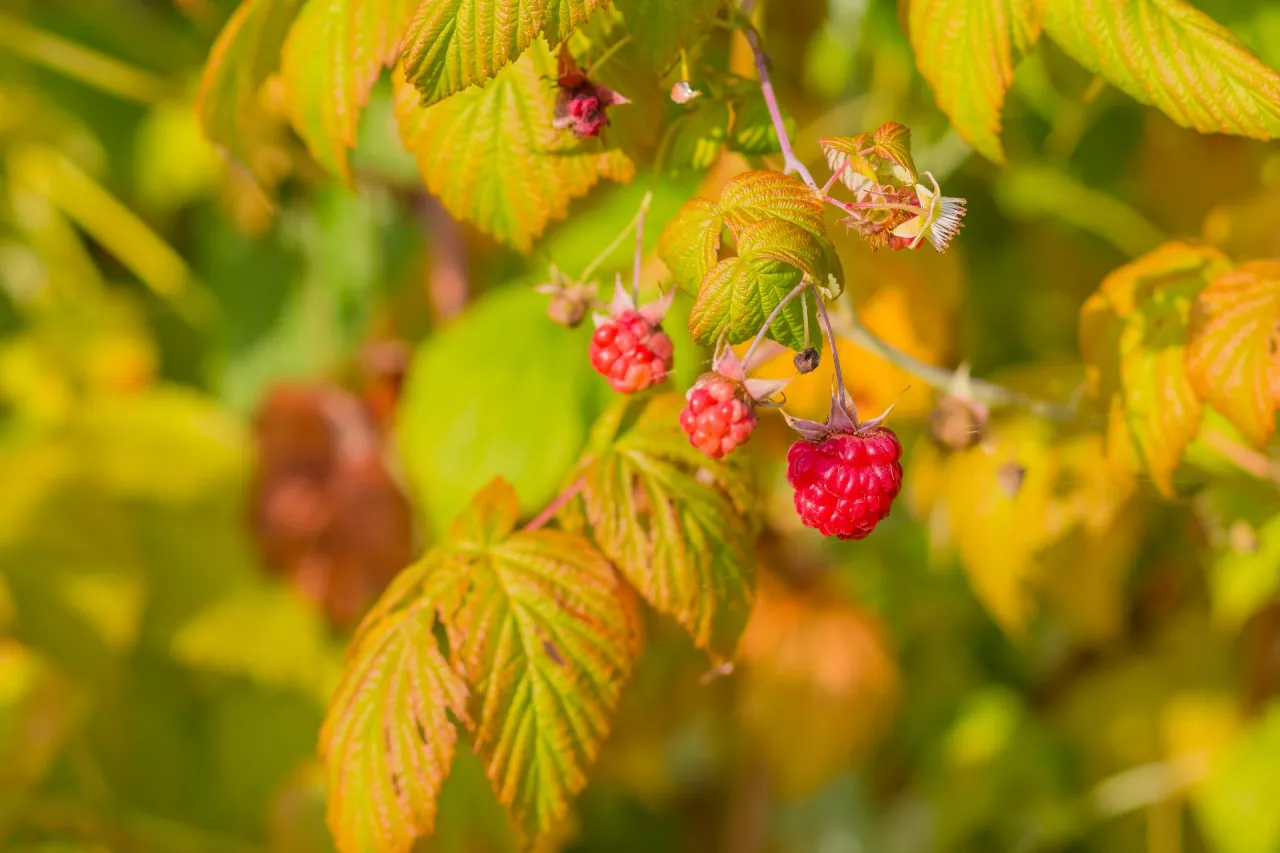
542,635
493,157
663,27
1234,353
332,57
690,243
229,105
1170,55
546,634
388,739
679,527
966,49
1133,333
753,132
699,136
454,44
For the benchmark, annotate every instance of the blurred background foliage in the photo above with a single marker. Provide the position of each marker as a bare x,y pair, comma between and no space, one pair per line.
217,410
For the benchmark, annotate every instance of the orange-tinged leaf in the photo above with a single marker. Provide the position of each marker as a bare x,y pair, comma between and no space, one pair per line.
1133,334
679,526
966,49
229,103
388,739
542,636
893,142
1234,353
334,54
816,665
1168,54
493,157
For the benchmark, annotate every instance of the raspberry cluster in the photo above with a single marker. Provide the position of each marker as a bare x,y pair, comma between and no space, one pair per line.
631,352
846,483
720,416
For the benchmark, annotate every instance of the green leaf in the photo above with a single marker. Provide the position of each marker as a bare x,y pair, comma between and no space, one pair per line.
1236,804
453,44
1234,353
699,135
522,408
333,56
389,739
547,634
229,104
764,194
690,243
1133,333
966,49
1168,54
663,27
680,527
753,131
543,632
493,157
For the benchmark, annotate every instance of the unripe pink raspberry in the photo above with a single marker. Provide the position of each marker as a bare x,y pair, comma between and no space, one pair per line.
846,474
719,417
631,353
846,484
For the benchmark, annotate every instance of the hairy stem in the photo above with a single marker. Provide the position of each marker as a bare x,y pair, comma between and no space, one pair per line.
773,315
978,391
848,206
831,338
557,503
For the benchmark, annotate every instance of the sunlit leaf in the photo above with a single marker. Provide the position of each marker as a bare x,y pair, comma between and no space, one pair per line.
690,244
1233,357
493,157
868,159
699,136
332,57
1168,54
1133,333
966,49
542,635
679,527
230,104
815,665
454,44
753,131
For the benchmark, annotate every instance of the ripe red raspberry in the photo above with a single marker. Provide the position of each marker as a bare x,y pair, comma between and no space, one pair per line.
846,483
631,352
720,416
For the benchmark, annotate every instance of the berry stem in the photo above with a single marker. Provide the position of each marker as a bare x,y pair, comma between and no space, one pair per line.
773,315
557,503
831,339
607,55
635,270
850,206
979,391
636,222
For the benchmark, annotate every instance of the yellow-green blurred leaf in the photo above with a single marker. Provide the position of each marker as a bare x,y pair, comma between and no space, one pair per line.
663,27
1170,55
966,49
1133,333
332,57
493,157
1233,356
1236,806
38,709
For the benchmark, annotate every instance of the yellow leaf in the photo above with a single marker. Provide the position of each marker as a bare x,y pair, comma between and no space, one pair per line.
1234,353
1133,334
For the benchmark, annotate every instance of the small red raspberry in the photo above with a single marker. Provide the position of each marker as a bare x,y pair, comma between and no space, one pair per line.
719,417
846,483
632,353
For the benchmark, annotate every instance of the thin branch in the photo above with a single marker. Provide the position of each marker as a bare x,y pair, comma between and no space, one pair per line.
978,390
635,271
557,503
773,315
790,162
617,241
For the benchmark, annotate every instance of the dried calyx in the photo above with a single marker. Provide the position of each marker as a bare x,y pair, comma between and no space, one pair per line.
842,420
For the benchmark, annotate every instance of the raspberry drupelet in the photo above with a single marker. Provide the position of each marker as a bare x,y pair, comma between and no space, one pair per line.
721,412
632,353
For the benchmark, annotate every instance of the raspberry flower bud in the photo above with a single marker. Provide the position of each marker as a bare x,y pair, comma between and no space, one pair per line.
721,411
629,347
846,474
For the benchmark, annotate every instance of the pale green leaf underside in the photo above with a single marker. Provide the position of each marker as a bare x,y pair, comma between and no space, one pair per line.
1170,55
454,44
246,52
493,158
966,49
332,58
679,526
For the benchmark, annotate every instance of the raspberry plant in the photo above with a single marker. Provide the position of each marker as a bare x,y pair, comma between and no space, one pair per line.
524,635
